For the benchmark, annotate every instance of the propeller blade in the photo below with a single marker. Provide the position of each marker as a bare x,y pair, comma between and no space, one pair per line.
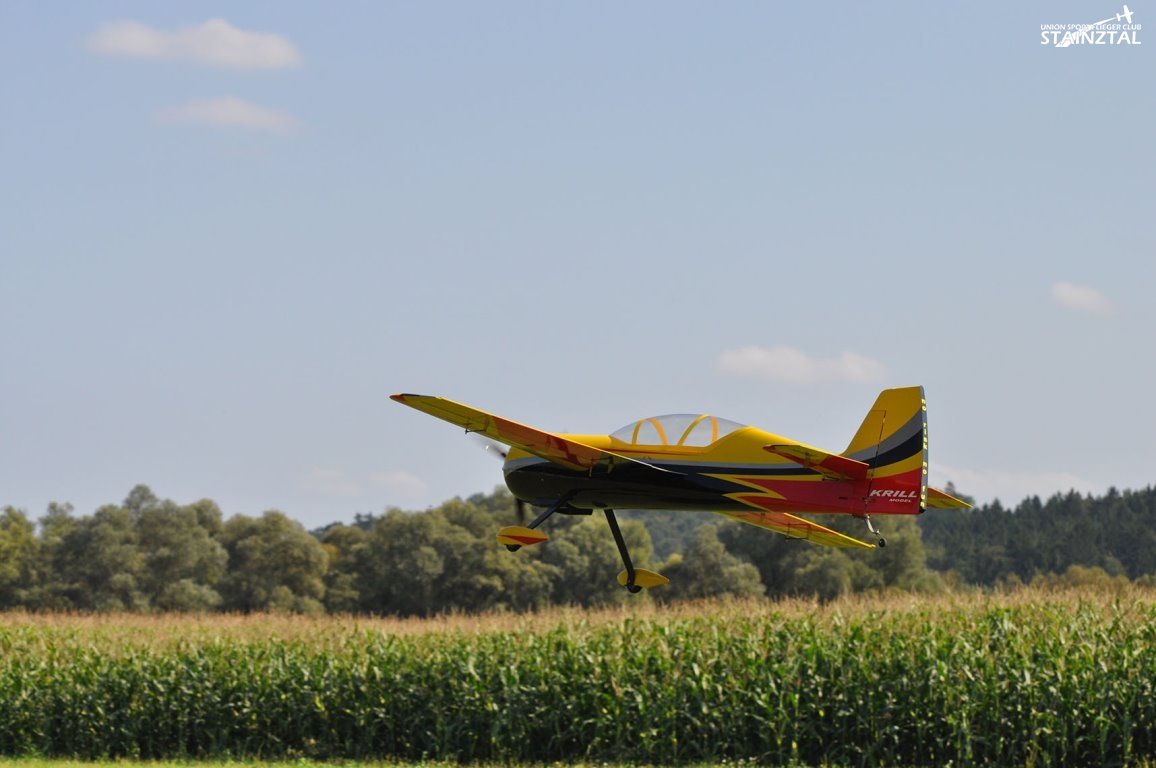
489,445
521,511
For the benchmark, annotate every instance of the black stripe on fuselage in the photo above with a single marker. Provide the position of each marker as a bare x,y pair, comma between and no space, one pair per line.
685,486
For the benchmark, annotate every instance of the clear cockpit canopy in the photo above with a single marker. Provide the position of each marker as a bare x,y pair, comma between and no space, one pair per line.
677,429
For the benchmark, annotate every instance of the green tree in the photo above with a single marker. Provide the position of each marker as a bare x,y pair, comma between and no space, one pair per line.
902,564
183,563
140,498
498,505
417,564
526,580
587,563
569,558
1082,577
99,563
788,567
990,544
772,555
274,565
672,532
50,592
820,572
479,574
709,570
401,565
56,523
345,545
19,555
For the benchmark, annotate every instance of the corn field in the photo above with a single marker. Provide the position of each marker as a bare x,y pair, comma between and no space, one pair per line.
1026,678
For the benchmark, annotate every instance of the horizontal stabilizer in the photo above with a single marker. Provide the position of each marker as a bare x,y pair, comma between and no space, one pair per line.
831,465
937,499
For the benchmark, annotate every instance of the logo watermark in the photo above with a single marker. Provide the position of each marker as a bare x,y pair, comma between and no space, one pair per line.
1114,30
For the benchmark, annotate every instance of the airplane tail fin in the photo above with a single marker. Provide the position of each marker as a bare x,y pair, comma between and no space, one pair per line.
892,441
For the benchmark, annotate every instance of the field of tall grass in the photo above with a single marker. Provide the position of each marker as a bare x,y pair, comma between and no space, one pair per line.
1063,678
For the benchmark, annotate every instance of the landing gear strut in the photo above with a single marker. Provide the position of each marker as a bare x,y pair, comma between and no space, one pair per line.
871,527
630,573
634,579
514,537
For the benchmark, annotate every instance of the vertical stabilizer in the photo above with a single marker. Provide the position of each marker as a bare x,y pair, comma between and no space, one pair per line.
892,440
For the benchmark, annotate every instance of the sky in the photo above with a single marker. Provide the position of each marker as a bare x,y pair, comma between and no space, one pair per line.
229,232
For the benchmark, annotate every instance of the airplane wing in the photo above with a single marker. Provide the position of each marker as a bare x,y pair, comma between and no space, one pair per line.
797,528
547,445
830,465
937,499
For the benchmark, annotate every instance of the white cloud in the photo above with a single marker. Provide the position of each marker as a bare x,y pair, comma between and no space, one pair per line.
1080,297
330,482
216,42
230,112
793,366
401,482
1009,487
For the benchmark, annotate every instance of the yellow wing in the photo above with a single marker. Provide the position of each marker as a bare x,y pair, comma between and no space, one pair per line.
556,448
797,528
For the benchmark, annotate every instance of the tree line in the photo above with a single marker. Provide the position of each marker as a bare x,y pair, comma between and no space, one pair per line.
153,555
1113,534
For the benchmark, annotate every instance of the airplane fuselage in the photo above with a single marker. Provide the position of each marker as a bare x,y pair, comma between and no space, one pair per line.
732,475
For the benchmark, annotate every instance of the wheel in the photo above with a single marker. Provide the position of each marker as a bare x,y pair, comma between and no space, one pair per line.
633,589
882,542
513,547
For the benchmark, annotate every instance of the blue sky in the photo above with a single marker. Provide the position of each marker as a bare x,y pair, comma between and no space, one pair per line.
229,233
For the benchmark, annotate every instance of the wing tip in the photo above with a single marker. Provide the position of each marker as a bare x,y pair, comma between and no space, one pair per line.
401,397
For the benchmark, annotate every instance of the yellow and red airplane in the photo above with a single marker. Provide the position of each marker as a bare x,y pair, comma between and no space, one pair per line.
704,463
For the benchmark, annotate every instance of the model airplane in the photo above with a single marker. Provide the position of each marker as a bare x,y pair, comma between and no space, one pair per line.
701,462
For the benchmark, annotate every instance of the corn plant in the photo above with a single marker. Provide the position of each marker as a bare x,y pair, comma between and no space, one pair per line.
1046,679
